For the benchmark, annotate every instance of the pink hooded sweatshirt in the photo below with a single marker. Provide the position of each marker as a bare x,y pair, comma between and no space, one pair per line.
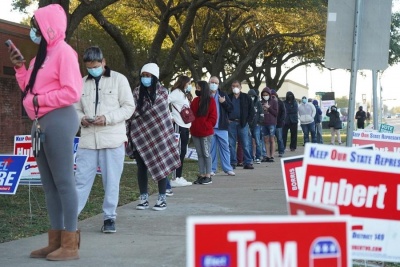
59,81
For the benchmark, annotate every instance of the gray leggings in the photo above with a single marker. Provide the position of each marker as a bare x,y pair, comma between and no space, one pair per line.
55,163
203,149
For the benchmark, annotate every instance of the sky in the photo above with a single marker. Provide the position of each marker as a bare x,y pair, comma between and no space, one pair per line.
337,81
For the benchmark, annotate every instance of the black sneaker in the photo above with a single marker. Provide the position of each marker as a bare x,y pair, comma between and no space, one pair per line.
160,205
248,167
143,204
206,180
109,226
198,181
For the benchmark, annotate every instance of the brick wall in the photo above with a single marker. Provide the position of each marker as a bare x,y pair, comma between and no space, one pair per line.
13,121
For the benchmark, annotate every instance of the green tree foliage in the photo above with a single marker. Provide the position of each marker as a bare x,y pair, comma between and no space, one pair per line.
236,40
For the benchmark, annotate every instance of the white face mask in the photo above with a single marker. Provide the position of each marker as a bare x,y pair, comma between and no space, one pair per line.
236,90
266,97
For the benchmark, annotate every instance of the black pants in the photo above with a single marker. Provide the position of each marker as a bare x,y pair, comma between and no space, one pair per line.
143,179
293,135
184,132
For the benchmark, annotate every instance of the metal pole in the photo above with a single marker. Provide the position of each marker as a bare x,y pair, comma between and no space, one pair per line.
354,70
377,107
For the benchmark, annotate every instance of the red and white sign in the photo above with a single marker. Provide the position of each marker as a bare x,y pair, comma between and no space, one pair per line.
363,183
298,206
278,241
290,169
382,141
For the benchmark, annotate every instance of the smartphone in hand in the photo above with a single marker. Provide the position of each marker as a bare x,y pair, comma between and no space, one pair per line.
9,43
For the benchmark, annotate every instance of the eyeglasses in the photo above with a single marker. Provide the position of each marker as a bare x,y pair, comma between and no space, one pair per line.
34,25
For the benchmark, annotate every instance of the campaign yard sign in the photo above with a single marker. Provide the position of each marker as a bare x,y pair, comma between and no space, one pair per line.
382,141
298,206
268,241
11,167
363,183
385,128
291,177
30,173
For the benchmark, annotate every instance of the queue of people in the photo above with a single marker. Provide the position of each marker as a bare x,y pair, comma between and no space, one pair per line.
141,123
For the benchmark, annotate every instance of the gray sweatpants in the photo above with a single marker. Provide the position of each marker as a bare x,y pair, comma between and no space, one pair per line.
56,167
203,149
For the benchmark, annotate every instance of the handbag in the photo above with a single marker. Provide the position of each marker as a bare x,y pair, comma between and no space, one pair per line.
186,114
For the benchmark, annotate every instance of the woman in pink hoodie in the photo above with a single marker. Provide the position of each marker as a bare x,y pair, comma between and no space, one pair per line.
51,84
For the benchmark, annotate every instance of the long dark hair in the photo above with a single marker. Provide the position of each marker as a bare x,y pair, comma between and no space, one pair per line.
180,83
147,93
205,99
40,58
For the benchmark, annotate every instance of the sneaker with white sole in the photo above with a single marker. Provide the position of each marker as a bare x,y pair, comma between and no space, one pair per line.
230,173
257,161
160,205
183,181
176,183
169,193
212,174
143,204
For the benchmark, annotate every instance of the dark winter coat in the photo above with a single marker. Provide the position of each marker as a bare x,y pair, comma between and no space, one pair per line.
334,119
257,109
292,109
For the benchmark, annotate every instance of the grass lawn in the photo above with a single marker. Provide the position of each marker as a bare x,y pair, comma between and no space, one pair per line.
24,214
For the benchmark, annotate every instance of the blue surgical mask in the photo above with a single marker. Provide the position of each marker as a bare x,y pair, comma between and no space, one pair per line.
304,100
96,72
33,36
146,81
188,88
213,86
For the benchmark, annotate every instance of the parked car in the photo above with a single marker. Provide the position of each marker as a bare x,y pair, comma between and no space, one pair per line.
389,116
398,115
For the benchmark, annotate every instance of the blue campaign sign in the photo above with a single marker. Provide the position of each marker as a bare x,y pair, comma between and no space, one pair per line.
10,171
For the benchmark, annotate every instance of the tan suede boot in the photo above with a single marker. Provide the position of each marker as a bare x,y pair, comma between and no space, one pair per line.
70,242
54,244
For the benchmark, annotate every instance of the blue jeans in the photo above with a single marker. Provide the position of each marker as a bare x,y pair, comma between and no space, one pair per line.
256,135
235,131
307,129
279,140
219,142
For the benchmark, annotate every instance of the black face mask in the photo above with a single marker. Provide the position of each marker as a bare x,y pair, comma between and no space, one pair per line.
197,92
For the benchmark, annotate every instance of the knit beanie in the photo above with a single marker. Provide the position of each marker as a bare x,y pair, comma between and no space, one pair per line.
151,68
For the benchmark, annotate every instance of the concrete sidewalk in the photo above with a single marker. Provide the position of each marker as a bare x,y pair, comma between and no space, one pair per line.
158,238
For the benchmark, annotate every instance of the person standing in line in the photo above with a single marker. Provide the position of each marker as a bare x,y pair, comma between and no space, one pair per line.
270,109
291,121
335,124
361,116
280,121
239,119
151,137
306,115
51,84
179,97
105,104
202,129
219,140
255,127
318,122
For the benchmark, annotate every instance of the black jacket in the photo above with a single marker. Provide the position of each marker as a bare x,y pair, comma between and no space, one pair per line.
292,109
334,119
224,110
280,120
246,108
257,108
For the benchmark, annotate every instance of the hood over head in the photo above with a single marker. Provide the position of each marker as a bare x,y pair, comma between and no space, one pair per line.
52,22
266,89
288,94
252,92
315,102
273,92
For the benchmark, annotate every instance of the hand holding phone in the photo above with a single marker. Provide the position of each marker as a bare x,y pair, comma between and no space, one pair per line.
15,55
90,120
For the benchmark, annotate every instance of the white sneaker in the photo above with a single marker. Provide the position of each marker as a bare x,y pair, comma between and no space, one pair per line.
230,173
212,174
183,181
176,183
